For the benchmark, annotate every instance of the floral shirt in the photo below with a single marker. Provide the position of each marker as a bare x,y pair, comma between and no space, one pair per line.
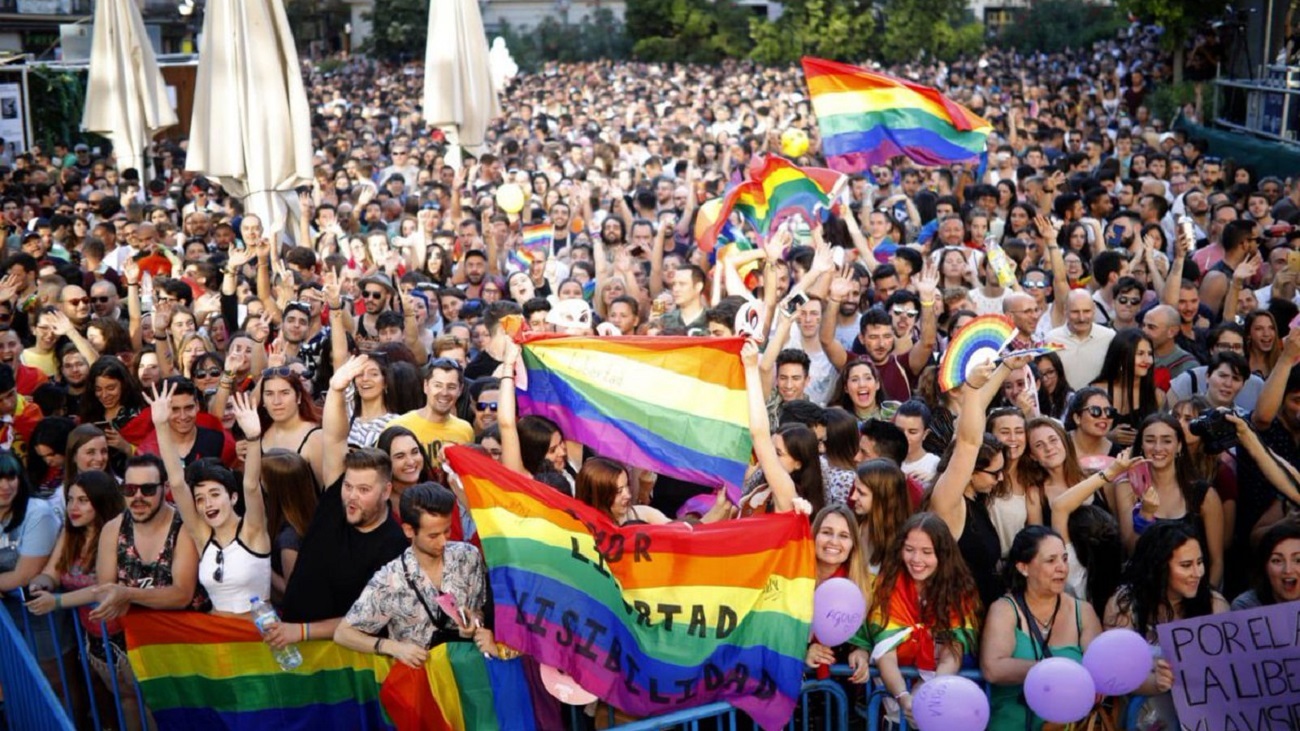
389,600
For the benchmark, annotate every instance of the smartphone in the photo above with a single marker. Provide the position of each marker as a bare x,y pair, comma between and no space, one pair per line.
1139,477
104,425
796,300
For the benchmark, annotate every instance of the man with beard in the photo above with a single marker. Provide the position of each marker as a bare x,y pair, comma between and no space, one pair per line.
74,371
560,227
398,613
144,557
376,294
351,536
475,266
846,315
437,421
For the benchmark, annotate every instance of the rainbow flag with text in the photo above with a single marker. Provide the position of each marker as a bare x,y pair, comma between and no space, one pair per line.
651,619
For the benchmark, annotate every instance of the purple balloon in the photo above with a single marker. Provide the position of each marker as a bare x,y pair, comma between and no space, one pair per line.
1060,690
838,611
950,703
1118,660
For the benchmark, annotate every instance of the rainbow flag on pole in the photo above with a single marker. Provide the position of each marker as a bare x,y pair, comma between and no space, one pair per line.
673,405
866,118
535,246
200,672
650,618
776,189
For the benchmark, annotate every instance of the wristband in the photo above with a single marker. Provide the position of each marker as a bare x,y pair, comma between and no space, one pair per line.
378,642
899,696
58,601
927,304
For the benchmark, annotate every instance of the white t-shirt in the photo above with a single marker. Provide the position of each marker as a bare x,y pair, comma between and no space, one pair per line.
922,470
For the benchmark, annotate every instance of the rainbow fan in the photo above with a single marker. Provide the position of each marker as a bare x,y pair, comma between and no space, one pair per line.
981,340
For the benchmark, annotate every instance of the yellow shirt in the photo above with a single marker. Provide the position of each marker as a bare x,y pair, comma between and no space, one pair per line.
452,431
47,364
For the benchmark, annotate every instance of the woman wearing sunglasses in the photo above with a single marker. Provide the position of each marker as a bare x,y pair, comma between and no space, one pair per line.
234,552
1089,422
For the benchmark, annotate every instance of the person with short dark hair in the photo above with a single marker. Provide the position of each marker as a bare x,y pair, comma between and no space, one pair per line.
398,613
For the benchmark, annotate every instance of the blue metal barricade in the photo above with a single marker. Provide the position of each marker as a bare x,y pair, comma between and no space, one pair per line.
29,702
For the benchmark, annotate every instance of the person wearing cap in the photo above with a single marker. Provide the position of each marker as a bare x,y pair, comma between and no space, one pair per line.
377,296
18,415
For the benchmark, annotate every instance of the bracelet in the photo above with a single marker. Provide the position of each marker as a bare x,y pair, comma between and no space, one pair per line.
338,306
899,696
58,601
927,304
504,378
133,284
253,438
378,642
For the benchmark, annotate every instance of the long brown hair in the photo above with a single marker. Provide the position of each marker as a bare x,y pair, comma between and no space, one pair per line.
949,593
856,561
77,439
307,410
890,505
1205,466
293,501
597,484
101,490
1032,474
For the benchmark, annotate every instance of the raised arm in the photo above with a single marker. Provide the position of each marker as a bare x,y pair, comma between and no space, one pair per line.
160,408
1279,473
657,262
1070,500
63,327
507,413
1174,282
778,480
254,530
1270,397
841,288
767,364
334,421
136,316
927,288
1056,259
339,326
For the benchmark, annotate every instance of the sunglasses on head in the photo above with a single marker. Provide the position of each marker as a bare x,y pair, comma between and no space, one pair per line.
148,489
1098,412
283,371
444,364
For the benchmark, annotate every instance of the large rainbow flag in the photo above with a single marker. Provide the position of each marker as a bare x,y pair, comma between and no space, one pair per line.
775,189
650,618
199,672
866,118
672,405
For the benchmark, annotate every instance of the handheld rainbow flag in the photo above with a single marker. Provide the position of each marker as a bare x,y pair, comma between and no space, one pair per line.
866,118
979,341
673,405
537,240
649,618
200,671
776,189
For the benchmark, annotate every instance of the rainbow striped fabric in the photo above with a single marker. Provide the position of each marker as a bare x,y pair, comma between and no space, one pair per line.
673,405
866,118
537,240
199,672
649,618
775,189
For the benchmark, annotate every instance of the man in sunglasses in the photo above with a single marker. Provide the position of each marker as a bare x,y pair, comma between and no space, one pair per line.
484,395
144,557
75,303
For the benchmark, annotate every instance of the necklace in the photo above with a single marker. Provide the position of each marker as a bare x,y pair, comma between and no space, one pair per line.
1047,626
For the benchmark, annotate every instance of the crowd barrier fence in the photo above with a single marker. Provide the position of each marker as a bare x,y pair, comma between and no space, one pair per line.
30,704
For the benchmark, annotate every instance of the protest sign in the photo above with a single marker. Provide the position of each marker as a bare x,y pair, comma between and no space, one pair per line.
1238,671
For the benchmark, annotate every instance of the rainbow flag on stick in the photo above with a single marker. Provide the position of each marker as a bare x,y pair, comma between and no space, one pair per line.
535,246
650,618
776,189
672,405
200,672
866,118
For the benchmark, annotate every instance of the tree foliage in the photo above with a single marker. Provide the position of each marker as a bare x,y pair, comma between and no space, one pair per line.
929,28
1179,18
400,29
1052,25
598,36
840,30
689,31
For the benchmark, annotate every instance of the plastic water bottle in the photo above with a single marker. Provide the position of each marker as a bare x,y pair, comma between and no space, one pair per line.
264,617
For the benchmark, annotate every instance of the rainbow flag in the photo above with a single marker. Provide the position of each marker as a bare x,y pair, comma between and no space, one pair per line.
199,671
776,189
866,118
673,405
650,618
537,241
730,240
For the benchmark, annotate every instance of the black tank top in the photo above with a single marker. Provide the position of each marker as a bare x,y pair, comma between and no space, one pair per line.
980,548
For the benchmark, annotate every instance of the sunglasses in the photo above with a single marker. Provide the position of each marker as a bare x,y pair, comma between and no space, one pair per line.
77,301
99,300
1129,300
1035,285
1098,412
444,364
904,312
372,294
207,373
219,574
148,489
487,406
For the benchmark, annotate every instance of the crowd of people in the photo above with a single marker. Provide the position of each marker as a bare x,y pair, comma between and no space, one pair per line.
198,410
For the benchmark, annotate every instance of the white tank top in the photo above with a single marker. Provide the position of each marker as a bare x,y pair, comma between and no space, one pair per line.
244,574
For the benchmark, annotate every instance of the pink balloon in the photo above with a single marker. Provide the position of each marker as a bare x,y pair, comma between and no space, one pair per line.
1060,690
562,685
1118,660
838,611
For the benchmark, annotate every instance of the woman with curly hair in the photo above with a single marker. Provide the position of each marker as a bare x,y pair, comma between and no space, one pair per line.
925,587
1166,581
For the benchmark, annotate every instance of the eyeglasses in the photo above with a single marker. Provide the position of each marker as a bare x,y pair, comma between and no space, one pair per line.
995,474
77,301
148,489
1098,412
219,574
208,373
487,406
372,294
1129,300
904,312
99,300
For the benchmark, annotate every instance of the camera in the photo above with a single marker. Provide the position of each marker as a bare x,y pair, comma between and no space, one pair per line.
1216,432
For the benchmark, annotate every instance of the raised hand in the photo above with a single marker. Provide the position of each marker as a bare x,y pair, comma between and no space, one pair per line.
62,325
276,357
160,405
331,291
347,372
1248,268
841,288
235,362
927,284
245,411
749,354
162,316
10,286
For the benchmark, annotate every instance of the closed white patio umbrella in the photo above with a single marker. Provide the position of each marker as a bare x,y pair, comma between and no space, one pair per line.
252,127
459,97
126,98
